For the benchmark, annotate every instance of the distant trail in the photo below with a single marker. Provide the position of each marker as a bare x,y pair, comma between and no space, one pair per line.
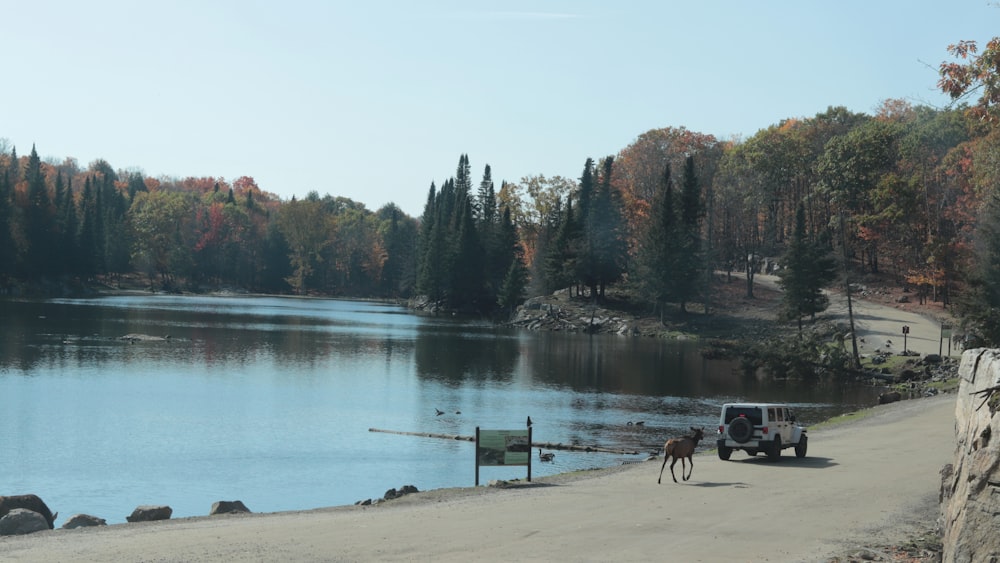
879,326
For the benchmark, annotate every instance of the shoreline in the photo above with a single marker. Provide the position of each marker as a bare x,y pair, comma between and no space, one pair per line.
443,523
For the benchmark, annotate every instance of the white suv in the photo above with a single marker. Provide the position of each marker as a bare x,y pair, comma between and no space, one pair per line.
759,427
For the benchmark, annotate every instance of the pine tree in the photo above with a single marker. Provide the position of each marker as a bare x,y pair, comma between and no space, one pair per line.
7,249
604,248
808,268
658,252
38,220
689,259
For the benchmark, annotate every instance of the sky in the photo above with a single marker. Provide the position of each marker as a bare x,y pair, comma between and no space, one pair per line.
374,100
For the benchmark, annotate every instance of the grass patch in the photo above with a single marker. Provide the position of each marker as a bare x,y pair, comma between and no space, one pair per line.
893,362
946,386
844,418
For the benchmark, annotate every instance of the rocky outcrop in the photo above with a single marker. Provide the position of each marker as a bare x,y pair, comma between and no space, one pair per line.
558,313
970,488
83,521
21,521
228,507
30,502
150,513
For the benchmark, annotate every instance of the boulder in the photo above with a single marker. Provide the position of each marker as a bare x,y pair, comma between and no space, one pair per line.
228,507
970,503
31,502
889,397
21,521
83,521
149,513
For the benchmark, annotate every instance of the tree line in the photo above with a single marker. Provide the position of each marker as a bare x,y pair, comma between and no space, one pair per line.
900,193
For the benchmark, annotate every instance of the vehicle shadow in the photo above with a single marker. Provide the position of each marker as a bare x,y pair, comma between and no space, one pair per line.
808,462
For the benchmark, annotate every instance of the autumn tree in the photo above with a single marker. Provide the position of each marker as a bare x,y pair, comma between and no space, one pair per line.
974,72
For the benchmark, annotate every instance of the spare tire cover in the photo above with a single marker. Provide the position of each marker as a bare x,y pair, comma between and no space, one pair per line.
740,430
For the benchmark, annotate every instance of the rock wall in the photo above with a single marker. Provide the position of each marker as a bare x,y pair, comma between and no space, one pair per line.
970,488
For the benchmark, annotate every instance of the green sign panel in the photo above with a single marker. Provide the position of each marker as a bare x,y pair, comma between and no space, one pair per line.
503,447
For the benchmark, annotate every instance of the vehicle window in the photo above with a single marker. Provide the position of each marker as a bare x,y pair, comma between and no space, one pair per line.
752,413
771,414
780,415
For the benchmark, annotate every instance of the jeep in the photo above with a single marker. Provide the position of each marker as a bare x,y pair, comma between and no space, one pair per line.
759,427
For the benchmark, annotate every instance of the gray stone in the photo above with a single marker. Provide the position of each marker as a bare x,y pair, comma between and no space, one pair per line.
228,507
83,521
21,521
149,513
970,503
31,502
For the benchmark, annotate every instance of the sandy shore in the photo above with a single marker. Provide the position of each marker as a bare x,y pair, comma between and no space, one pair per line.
866,482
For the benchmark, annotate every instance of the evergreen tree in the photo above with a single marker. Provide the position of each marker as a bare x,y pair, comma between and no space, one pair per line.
656,262
486,203
135,185
560,259
38,220
467,270
688,278
808,268
605,249
7,249
68,250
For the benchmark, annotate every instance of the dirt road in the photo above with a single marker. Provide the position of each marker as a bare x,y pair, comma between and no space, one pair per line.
862,482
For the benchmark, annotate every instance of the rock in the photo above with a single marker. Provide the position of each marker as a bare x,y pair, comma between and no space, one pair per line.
228,507
402,491
20,521
889,397
83,521
31,502
932,359
150,513
970,503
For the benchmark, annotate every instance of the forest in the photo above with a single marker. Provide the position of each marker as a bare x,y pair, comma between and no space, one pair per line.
908,192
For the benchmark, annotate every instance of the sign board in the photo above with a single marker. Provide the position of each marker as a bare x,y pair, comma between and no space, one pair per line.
945,331
503,447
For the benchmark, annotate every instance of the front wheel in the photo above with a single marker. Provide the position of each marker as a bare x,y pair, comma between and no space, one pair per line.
800,448
725,452
774,454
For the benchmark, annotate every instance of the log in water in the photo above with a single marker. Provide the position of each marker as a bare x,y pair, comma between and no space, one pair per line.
549,445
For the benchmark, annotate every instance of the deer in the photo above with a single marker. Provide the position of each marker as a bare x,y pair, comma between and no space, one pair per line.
681,448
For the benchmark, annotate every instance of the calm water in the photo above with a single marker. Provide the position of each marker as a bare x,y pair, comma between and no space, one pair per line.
270,400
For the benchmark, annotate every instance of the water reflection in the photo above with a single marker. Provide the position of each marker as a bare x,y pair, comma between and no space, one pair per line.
247,391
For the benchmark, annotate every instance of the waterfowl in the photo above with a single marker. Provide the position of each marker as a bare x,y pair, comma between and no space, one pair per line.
438,411
545,456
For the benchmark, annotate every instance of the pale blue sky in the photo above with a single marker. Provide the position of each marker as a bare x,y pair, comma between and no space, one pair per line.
374,100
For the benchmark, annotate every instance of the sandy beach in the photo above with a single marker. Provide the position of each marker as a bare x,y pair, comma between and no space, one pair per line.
864,483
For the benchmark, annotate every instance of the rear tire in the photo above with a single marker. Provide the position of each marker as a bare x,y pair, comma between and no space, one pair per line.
800,448
774,454
740,430
725,452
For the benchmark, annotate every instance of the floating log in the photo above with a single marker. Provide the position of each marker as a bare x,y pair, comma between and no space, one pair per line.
426,434
548,445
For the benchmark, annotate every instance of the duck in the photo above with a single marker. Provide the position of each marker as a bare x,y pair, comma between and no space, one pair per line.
438,411
545,456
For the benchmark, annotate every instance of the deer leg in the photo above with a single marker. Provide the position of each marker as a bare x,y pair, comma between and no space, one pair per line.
665,458
691,459
672,464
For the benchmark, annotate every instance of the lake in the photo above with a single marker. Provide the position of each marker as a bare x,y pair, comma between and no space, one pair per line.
270,400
